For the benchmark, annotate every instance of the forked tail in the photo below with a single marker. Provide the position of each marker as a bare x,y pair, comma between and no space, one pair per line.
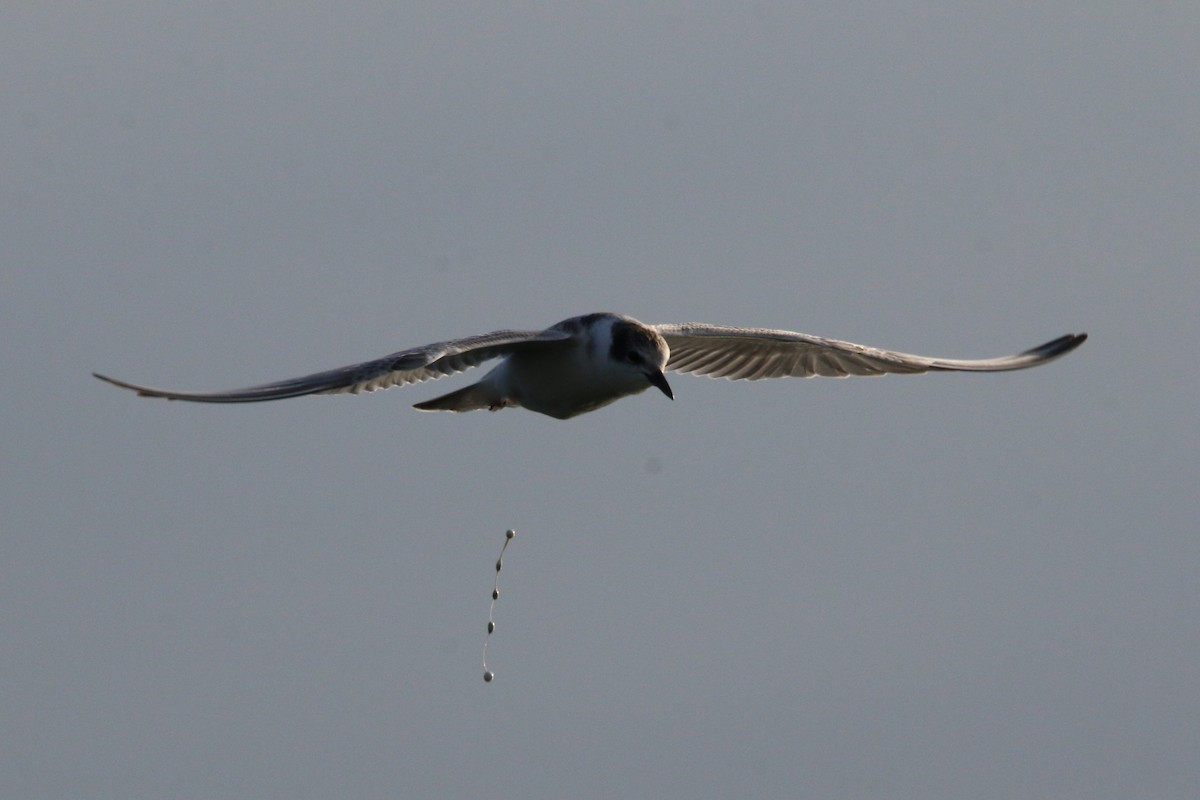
472,398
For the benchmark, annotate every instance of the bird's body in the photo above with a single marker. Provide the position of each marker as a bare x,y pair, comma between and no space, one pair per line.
578,375
592,366
584,363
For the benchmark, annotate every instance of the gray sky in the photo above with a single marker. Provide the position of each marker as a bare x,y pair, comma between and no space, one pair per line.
939,587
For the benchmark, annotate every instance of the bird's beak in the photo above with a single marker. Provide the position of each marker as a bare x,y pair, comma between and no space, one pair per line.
658,379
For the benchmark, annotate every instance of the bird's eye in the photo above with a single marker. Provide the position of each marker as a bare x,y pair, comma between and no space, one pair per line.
634,357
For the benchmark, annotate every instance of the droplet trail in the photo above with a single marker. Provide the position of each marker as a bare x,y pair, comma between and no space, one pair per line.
488,675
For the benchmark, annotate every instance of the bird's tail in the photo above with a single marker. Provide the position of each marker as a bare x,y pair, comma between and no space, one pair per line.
472,398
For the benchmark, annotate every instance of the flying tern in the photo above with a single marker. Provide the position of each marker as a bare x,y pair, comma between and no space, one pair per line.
587,362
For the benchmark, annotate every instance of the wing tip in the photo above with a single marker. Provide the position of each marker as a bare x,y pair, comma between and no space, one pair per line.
141,391
114,381
1060,346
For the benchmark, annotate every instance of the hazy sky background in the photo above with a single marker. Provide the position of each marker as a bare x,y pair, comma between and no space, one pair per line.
948,586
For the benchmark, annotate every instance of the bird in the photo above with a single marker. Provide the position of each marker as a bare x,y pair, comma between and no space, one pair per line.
587,362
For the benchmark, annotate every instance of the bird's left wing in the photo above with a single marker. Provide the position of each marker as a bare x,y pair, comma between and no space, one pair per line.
719,351
407,366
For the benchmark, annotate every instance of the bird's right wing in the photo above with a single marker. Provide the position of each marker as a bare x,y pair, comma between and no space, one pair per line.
720,351
407,366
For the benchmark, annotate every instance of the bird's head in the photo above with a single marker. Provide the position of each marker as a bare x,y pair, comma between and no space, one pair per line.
641,347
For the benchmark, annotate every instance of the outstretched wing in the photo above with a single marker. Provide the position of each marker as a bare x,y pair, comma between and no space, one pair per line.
754,353
408,366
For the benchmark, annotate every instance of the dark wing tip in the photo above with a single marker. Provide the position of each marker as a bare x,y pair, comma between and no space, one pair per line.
149,391
141,390
1058,347
1042,354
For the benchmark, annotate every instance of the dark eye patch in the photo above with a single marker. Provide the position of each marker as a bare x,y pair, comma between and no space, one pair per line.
630,342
